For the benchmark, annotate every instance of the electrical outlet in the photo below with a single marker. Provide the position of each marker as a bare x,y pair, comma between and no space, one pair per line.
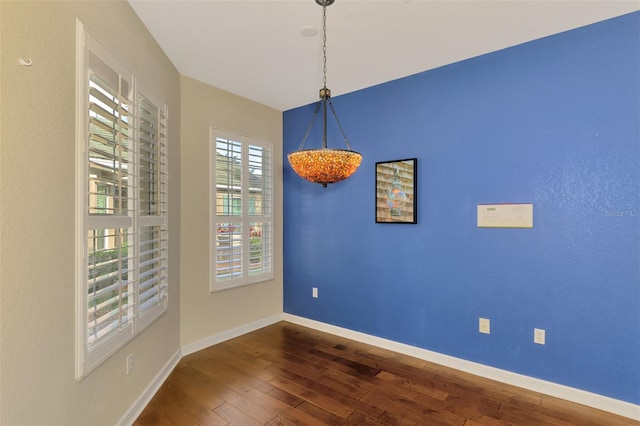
129,363
314,292
539,336
484,326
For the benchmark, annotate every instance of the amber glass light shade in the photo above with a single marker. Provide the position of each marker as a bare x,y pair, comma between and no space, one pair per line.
324,166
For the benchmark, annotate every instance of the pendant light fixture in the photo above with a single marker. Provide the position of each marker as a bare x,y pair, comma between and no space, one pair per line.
324,165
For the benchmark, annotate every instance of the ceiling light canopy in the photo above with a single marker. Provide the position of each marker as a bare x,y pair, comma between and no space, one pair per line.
324,165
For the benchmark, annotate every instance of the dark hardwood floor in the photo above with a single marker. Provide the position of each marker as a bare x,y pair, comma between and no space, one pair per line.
286,374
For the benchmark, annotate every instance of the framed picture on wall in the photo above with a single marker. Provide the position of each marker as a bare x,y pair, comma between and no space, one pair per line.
396,191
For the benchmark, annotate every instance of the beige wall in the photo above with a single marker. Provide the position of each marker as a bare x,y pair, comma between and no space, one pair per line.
204,314
37,184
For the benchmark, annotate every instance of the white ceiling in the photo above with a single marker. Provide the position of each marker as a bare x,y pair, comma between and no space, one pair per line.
255,48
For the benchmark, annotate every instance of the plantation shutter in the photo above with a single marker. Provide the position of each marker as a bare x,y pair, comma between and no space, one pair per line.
122,205
241,218
153,255
110,242
228,208
260,203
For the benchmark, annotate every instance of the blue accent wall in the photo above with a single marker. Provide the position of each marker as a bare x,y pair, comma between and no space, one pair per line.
553,122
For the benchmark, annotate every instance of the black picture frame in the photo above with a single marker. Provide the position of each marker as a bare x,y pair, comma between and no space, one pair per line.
397,191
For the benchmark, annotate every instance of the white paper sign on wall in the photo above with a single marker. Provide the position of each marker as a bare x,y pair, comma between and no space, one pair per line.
518,215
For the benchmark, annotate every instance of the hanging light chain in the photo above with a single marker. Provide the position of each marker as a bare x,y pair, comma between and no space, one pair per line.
324,44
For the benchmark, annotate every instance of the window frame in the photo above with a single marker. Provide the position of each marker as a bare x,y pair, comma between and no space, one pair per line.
91,353
247,215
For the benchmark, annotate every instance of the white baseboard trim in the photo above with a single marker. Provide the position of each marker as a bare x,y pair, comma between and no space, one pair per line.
578,396
136,409
229,334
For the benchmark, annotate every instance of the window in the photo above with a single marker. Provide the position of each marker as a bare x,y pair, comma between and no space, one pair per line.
241,211
122,246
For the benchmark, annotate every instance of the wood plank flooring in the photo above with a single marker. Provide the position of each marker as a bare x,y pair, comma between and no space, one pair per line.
286,374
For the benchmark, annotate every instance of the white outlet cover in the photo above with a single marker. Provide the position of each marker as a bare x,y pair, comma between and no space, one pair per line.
539,336
484,326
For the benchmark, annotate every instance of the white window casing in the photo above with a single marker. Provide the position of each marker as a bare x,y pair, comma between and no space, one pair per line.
121,205
241,210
